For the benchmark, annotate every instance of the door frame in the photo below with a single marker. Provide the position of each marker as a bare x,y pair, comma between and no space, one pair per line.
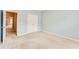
1,26
15,17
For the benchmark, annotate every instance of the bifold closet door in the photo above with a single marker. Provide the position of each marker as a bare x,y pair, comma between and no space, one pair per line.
32,23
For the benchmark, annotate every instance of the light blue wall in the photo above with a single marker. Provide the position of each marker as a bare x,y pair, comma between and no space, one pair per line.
61,22
22,20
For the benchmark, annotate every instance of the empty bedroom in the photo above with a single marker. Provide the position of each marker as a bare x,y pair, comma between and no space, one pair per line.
41,29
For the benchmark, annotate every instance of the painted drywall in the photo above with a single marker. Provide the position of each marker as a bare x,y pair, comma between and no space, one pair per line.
22,20
62,22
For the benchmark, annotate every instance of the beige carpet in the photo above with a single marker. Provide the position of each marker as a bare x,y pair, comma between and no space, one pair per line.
38,40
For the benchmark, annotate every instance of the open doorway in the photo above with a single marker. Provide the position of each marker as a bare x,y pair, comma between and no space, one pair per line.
11,24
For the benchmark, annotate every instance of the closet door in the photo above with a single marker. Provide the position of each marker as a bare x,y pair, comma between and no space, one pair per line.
1,26
32,23
35,23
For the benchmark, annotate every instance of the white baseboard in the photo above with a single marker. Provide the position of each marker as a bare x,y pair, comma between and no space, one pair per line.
21,34
61,36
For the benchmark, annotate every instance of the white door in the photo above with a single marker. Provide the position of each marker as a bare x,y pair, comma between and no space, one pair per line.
32,23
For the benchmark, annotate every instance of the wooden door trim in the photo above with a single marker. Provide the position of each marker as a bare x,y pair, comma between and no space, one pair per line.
15,17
